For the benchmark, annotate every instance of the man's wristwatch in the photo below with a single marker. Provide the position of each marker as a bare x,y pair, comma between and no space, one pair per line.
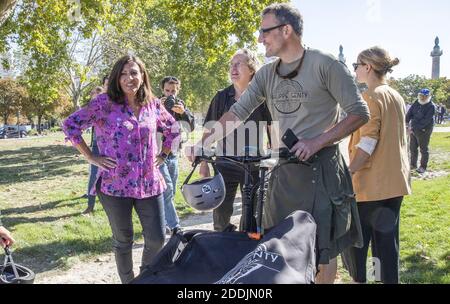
163,155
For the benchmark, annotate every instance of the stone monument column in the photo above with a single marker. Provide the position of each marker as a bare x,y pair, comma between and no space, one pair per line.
436,55
341,54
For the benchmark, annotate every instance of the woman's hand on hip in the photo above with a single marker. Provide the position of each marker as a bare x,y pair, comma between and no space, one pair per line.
103,162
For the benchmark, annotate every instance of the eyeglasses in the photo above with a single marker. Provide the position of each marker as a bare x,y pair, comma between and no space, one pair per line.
295,72
237,65
356,65
266,30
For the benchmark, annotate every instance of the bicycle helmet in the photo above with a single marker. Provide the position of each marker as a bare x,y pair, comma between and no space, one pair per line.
206,193
11,273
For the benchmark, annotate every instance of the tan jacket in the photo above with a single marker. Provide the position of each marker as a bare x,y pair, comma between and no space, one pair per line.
386,173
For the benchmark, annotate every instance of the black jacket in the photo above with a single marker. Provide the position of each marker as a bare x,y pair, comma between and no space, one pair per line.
421,116
186,116
222,102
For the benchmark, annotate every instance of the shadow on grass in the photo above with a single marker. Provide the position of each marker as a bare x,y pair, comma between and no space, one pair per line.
42,207
421,270
36,163
44,257
12,221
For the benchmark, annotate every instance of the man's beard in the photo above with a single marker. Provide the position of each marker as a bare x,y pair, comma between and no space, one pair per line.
427,100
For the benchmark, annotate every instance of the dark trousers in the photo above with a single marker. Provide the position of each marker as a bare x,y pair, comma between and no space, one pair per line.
420,139
380,222
233,176
151,215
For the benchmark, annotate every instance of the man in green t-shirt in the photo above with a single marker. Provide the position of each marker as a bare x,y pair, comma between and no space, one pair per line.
303,90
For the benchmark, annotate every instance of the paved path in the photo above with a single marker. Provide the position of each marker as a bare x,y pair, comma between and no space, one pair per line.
441,129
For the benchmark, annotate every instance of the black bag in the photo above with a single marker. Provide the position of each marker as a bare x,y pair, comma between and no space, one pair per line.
196,257
285,255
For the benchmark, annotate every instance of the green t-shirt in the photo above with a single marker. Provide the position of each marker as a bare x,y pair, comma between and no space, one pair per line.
308,103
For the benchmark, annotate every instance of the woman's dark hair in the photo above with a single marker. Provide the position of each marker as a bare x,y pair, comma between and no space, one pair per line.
115,93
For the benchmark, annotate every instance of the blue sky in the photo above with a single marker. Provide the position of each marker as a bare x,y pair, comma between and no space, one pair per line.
407,29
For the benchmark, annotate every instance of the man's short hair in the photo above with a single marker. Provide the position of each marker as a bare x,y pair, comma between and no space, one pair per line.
286,13
170,80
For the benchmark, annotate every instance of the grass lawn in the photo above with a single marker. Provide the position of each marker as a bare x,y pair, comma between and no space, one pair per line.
42,181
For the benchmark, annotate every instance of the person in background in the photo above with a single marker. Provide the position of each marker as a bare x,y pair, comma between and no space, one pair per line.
442,112
421,116
243,66
170,87
380,169
94,148
126,120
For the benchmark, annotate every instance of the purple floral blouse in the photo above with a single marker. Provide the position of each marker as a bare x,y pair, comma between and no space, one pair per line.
131,141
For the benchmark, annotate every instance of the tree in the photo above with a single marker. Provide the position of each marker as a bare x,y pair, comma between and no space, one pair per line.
440,89
12,98
84,59
410,86
202,37
44,89
191,38
6,7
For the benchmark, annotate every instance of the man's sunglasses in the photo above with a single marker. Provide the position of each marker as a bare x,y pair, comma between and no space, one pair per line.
295,72
266,30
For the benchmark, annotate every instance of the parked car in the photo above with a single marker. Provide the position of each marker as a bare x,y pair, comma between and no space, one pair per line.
12,131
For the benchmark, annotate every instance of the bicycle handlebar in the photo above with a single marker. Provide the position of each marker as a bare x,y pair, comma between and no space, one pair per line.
283,153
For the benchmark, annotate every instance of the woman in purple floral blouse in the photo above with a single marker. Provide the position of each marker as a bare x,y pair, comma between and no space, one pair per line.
126,119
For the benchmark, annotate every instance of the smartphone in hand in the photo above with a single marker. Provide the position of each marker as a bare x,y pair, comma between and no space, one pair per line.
289,138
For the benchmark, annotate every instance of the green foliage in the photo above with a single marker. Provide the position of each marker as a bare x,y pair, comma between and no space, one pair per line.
13,97
191,39
410,86
55,129
32,132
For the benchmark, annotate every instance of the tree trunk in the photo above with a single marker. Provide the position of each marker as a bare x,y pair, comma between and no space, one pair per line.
39,124
6,7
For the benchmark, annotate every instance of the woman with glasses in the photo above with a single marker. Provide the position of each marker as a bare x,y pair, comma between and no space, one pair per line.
380,169
243,66
126,120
